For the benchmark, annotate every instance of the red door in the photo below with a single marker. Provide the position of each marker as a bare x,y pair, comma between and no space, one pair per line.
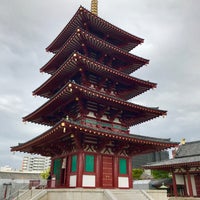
107,174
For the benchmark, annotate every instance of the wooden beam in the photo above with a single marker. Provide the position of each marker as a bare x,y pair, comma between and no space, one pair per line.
118,147
101,144
78,139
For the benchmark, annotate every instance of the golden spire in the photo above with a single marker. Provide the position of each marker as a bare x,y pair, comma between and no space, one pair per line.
94,7
183,141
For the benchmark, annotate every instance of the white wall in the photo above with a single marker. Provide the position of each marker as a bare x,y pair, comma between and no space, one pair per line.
89,180
193,185
72,181
123,182
179,179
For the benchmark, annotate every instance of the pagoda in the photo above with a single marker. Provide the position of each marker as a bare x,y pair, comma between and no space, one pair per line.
87,106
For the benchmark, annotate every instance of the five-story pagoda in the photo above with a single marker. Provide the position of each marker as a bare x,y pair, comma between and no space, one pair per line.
87,108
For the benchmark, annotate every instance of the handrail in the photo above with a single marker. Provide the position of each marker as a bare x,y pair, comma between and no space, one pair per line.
109,195
39,195
31,191
146,195
16,193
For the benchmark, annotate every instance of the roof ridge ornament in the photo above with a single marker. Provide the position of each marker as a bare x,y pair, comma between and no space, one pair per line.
94,7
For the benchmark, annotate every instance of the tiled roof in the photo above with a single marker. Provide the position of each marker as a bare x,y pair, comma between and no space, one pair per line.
187,154
56,134
72,65
174,162
72,90
188,149
82,38
97,23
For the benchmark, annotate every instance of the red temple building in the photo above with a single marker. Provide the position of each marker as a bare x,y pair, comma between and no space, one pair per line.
87,106
185,170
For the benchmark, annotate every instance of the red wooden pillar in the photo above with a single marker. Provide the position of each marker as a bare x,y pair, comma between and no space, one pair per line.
5,192
185,186
115,171
80,169
69,163
189,183
130,177
64,167
98,171
174,184
51,173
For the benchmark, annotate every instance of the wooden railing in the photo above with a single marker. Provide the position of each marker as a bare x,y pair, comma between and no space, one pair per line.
104,125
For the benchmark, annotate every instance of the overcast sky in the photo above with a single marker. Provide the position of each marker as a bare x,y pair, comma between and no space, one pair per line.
172,43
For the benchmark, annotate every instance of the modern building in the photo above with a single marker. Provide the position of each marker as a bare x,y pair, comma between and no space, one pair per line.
12,181
5,168
140,160
35,163
88,109
185,169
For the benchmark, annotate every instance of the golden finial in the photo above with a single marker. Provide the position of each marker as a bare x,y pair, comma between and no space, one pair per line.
183,141
94,7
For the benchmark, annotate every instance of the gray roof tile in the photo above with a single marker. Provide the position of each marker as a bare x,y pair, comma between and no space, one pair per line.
187,154
188,149
175,161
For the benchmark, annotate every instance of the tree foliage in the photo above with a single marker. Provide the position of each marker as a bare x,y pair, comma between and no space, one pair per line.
137,172
45,173
158,174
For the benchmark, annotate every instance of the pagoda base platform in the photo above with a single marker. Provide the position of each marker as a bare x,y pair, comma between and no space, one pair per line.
97,194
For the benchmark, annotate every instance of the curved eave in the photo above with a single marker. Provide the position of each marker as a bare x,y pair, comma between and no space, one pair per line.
56,133
72,66
97,23
71,90
66,70
47,136
83,37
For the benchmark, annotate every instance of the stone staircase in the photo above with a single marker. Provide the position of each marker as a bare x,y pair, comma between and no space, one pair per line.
127,195
28,194
94,194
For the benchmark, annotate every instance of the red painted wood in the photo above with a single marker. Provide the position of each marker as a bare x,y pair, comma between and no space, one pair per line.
130,177
68,168
116,171
174,185
197,183
189,184
98,171
185,186
80,165
65,173
107,173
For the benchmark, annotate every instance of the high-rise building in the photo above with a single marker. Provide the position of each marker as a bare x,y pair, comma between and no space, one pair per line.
35,163
140,160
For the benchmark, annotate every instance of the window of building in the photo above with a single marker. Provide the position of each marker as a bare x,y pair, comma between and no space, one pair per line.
122,166
89,163
74,163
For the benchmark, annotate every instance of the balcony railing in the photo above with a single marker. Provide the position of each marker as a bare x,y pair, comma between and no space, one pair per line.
103,125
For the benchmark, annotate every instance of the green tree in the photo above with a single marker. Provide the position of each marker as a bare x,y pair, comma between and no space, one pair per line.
157,174
137,172
45,173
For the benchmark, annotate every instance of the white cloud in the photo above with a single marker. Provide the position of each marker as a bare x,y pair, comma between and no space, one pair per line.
171,32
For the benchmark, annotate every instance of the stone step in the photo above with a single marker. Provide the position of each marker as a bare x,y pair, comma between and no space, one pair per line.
130,195
95,194
28,194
